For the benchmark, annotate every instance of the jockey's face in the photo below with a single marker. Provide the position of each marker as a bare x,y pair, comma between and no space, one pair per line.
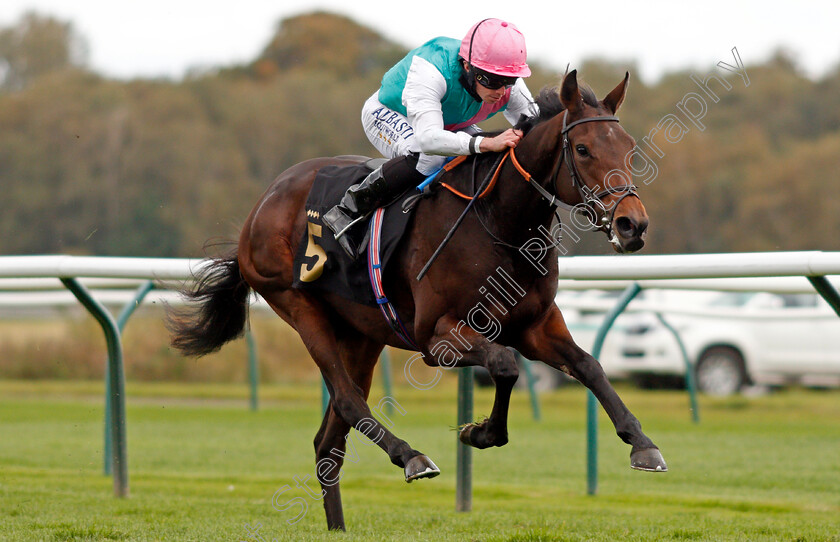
489,96
497,84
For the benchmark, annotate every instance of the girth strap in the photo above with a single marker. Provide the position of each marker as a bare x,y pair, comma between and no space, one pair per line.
375,272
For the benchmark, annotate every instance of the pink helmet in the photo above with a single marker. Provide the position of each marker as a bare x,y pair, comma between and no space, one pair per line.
497,47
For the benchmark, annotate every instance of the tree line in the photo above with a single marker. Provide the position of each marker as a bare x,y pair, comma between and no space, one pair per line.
91,165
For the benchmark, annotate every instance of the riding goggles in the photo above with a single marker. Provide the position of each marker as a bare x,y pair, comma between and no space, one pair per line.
491,80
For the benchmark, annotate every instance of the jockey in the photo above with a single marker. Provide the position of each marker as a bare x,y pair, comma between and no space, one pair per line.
427,108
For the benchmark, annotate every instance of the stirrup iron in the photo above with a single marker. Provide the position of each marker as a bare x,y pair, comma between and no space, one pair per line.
350,225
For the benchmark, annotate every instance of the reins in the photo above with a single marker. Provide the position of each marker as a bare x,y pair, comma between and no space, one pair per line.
509,154
454,227
527,176
493,179
590,199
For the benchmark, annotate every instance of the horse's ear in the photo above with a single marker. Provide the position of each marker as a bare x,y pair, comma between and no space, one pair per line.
570,93
614,98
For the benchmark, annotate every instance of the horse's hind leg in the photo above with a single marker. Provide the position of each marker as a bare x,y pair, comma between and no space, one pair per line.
551,342
328,464
331,440
308,316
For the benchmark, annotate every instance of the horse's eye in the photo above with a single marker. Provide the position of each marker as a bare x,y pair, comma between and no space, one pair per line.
581,150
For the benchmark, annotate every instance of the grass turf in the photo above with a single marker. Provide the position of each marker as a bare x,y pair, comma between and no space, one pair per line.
204,467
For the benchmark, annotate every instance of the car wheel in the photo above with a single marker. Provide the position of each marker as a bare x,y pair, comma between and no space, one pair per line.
721,371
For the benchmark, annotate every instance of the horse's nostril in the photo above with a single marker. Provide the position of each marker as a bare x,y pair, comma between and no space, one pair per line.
642,226
626,227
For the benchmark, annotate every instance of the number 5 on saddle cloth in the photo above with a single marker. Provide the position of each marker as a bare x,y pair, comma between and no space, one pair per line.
320,262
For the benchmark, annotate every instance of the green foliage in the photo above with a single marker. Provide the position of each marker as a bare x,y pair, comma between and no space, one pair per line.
325,42
156,168
35,46
754,178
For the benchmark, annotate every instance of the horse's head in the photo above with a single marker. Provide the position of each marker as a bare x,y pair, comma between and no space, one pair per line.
597,151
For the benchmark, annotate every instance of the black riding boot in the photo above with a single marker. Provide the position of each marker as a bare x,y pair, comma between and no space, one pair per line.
381,186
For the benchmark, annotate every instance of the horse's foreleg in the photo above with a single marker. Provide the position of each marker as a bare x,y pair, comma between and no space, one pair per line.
456,344
551,342
501,364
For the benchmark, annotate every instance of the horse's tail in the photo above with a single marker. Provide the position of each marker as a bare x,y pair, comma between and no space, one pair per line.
221,295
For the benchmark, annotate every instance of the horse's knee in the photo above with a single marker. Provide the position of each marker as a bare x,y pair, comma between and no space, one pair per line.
503,368
330,437
323,447
349,408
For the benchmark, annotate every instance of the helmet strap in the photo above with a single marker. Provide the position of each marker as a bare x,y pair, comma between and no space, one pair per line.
467,80
472,39
467,75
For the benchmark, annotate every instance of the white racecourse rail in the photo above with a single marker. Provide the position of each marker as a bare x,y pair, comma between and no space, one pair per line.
600,268
98,267
577,268
701,266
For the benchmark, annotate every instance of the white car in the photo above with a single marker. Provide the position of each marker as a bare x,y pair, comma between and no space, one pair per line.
732,339
584,313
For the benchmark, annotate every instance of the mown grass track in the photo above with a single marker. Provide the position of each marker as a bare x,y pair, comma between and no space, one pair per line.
202,467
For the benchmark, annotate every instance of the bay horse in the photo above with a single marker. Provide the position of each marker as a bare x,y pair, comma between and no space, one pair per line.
345,339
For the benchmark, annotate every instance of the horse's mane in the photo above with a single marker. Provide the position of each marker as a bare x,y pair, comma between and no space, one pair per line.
548,101
549,104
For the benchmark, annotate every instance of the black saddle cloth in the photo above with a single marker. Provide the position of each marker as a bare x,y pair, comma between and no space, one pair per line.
320,263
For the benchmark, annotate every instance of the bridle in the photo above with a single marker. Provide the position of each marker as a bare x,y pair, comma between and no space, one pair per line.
593,201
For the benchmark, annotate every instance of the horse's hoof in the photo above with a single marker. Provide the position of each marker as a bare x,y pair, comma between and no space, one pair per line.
466,433
649,459
420,466
476,435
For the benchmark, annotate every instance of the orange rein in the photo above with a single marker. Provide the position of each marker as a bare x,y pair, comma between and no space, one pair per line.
457,161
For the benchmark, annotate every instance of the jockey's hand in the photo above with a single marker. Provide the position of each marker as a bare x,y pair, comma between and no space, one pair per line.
508,138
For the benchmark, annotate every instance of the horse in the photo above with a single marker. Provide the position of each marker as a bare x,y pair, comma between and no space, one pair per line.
446,317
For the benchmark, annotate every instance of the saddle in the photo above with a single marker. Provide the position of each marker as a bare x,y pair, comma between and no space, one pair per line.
320,263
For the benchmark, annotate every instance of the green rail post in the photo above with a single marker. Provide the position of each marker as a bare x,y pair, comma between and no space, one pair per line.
591,403
325,397
463,483
690,382
116,380
387,380
253,368
827,291
139,295
532,392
